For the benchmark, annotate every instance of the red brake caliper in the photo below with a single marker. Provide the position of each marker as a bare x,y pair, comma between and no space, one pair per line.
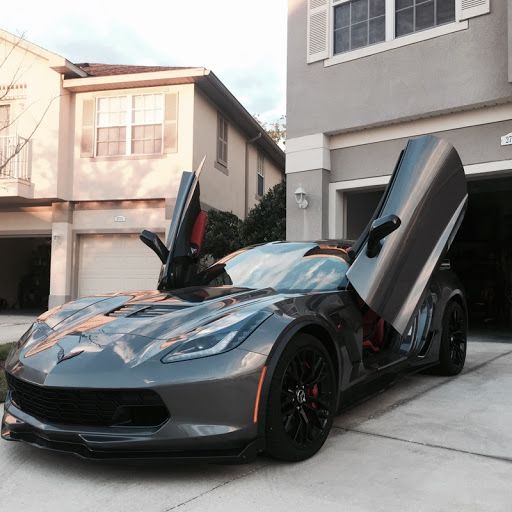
312,392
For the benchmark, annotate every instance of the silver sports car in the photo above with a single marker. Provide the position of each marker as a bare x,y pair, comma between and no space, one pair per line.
259,351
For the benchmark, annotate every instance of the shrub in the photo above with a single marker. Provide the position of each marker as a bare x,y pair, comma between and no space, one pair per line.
266,222
222,234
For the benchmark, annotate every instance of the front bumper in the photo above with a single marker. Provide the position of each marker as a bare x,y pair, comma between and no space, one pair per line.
211,406
110,448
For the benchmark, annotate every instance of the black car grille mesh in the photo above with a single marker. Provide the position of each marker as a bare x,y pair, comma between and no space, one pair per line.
88,407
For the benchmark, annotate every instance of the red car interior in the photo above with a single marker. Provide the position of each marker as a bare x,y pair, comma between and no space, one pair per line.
198,231
373,331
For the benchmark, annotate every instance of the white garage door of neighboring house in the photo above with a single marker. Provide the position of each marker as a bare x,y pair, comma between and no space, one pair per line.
112,263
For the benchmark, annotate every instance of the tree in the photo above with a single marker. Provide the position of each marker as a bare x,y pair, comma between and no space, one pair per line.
12,69
276,129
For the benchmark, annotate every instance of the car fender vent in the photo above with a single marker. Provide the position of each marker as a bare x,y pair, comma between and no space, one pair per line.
127,310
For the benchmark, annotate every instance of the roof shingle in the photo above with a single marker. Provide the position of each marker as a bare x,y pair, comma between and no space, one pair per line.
99,69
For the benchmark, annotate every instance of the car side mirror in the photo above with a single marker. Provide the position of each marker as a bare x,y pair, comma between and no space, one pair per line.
380,229
152,240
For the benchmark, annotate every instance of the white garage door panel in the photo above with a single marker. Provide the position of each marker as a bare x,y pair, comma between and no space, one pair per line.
111,263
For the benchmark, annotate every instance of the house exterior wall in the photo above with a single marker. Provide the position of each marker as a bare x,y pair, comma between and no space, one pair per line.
432,76
18,221
349,116
216,181
310,223
475,144
138,176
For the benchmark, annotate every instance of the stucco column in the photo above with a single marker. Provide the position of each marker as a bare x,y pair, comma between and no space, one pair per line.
308,165
62,254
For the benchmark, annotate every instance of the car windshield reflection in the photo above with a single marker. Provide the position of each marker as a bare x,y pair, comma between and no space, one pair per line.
291,267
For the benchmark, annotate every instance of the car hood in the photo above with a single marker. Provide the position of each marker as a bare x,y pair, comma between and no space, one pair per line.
124,329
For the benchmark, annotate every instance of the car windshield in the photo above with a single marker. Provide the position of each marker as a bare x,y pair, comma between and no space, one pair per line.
286,267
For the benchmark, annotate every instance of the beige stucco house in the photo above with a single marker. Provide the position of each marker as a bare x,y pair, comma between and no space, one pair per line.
106,148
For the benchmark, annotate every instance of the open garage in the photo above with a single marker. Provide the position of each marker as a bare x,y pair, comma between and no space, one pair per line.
24,273
481,253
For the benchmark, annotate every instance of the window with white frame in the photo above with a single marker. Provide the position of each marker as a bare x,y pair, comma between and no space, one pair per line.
129,125
415,15
222,140
360,23
260,168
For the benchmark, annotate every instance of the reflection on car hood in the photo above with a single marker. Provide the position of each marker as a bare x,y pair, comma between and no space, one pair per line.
131,328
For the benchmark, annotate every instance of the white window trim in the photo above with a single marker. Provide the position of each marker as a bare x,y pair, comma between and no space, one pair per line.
128,125
391,42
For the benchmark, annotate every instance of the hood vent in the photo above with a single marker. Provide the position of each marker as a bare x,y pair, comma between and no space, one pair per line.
143,310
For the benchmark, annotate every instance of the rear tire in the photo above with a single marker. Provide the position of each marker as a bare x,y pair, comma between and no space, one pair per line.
301,401
452,352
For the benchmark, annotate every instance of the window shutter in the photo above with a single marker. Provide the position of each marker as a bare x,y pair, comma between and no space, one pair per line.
171,123
87,144
471,8
318,30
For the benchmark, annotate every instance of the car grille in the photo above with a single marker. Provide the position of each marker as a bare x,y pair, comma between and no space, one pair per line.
89,407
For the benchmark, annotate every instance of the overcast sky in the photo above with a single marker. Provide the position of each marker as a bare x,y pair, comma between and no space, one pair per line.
242,41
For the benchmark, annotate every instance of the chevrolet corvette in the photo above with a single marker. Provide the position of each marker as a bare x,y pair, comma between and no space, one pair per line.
259,351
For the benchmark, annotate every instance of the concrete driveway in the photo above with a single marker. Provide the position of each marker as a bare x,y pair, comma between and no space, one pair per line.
429,443
13,325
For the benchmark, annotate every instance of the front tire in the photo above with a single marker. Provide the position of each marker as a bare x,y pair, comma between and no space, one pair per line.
452,352
301,400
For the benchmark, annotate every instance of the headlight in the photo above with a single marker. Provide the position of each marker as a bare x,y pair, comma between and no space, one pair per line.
218,336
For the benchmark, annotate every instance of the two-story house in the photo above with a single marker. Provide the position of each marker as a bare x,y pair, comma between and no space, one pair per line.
366,75
91,154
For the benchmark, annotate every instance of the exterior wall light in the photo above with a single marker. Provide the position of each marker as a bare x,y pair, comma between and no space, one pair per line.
300,197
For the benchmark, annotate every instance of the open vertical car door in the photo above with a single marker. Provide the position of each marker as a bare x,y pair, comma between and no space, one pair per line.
412,228
186,233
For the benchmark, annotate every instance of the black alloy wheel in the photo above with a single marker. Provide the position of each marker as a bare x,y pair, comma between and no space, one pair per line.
301,401
452,353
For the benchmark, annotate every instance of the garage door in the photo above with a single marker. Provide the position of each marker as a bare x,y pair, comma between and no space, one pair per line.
111,263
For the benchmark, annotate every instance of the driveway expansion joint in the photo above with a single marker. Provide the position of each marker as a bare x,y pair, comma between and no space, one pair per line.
215,487
428,445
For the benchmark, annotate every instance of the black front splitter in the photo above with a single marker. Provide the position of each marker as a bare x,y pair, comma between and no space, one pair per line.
23,432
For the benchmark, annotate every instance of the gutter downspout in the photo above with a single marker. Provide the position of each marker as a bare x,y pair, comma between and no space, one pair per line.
247,144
